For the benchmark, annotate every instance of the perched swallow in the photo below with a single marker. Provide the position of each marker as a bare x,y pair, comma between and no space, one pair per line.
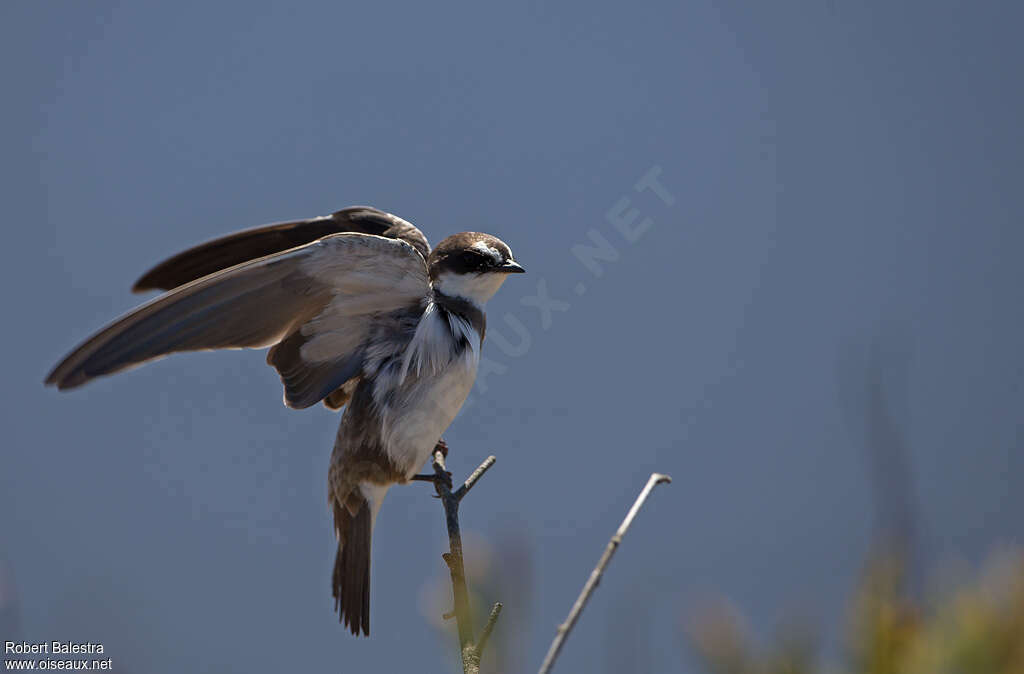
359,313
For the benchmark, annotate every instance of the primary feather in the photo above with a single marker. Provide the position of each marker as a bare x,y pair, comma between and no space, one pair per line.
250,244
316,303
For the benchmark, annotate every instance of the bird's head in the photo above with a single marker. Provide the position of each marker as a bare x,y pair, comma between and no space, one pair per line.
471,265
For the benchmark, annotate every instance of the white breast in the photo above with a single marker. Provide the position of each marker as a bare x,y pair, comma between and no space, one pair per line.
422,407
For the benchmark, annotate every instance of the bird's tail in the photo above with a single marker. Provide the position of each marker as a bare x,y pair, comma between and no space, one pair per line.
354,516
351,578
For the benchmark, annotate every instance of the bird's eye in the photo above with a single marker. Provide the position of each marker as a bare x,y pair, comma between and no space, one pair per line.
472,259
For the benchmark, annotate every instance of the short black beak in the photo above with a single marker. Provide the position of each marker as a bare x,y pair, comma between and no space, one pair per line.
511,267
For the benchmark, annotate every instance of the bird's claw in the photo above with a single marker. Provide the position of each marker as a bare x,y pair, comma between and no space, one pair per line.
446,478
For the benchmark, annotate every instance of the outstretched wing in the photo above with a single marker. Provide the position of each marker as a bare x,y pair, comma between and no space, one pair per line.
316,304
250,244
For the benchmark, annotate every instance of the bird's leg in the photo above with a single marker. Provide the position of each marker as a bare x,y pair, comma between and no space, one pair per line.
446,476
440,470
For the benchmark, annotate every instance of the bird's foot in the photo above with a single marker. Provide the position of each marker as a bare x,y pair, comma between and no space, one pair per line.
446,478
440,474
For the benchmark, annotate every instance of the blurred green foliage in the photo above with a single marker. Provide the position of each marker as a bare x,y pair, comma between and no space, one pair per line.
975,627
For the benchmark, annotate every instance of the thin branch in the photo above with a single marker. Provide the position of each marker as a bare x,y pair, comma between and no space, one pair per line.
486,634
474,476
470,650
595,575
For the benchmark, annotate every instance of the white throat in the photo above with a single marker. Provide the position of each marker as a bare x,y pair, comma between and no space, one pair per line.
474,288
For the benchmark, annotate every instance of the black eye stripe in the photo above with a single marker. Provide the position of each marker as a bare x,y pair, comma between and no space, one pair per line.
473,257
464,261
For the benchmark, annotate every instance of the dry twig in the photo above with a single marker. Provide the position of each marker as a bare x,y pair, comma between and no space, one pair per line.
471,650
595,575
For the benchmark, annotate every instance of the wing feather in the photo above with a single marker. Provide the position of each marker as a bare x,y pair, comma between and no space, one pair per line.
316,303
250,244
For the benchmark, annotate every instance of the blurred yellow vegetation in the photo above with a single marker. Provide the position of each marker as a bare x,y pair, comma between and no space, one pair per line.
975,628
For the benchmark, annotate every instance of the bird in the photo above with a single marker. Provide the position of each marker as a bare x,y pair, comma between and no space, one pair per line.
359,313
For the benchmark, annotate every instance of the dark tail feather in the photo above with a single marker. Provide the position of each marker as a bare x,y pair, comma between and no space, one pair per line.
351,581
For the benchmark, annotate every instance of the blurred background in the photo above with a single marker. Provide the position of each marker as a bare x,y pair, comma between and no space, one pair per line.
773,250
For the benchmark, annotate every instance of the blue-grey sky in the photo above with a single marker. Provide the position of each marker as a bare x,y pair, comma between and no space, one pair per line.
837,181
